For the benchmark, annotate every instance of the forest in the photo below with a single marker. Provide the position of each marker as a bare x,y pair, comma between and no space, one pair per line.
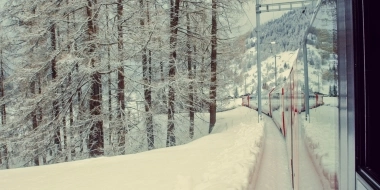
79,77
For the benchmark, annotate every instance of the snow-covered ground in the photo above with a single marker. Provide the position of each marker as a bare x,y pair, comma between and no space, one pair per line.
274,169
229,158
321,138
239,154
226,159
137,137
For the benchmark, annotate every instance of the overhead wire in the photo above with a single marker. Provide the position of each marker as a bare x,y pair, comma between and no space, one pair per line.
247,16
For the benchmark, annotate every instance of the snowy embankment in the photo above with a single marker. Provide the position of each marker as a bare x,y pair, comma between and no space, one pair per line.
321,138
237,166
137,137
226,159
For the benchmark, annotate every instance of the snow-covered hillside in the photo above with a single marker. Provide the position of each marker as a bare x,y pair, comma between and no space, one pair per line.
281,38
321,76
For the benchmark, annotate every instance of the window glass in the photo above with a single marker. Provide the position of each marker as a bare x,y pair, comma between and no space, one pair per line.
316,124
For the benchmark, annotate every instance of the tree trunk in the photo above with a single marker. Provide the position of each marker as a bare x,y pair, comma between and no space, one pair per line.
70,146
190,76
213,67
149,120
2,94
3,154
195,85
174,9
40,115
57,133
64,127
96,143
34,123
78,142
120,77
2,112
147,72
70,143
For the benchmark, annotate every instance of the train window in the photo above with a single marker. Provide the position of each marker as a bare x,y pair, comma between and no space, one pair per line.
315,144
367,103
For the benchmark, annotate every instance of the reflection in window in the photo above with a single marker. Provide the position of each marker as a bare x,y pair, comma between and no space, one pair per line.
319,133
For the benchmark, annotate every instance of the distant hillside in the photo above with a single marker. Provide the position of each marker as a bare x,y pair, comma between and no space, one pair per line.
287,31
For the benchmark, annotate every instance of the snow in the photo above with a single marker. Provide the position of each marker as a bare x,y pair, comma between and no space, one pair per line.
321,138
309,178
268,69
274,168
315,74
226,159
239,154
137,141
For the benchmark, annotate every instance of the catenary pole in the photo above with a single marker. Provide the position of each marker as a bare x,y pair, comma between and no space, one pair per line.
258,59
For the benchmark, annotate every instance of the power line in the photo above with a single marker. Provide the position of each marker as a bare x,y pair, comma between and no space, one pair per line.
247,16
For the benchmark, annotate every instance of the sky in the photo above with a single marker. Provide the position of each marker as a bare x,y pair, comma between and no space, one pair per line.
2,3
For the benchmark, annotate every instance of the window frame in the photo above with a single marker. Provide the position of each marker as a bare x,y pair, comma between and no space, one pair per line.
364,54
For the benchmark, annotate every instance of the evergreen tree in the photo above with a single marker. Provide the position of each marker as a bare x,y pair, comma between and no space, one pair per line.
335,91
236,94
330,91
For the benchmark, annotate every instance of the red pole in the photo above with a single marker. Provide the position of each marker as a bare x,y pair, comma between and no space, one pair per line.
283,114
248,100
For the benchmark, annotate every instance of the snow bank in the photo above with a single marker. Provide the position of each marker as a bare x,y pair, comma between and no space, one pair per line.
228,104
237,166
330,101
226,159
321,138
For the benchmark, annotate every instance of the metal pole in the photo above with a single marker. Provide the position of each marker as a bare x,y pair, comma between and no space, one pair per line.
245,84
306,74
258,59
275,71
318,82
305,64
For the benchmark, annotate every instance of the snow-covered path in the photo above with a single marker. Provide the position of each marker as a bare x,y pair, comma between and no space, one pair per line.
274,170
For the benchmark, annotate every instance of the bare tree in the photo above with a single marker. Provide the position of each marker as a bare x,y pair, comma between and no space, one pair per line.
120,77
190,74
4,153
147,78
53,41
213,65
96,143
174,17
57,52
